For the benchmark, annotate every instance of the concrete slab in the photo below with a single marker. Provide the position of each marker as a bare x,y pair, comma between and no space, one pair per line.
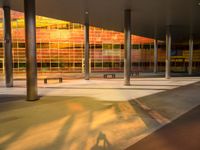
92,115
102,89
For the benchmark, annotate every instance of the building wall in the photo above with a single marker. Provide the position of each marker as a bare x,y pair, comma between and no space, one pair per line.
60,47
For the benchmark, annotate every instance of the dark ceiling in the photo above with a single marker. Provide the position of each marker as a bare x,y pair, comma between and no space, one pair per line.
150,18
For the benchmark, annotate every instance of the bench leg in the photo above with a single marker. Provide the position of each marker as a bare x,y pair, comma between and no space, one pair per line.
45,81
131,74
60,80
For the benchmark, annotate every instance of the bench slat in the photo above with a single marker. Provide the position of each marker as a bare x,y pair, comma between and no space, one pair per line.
109,74
52,78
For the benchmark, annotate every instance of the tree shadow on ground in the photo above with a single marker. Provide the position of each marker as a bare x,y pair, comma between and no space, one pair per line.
31,115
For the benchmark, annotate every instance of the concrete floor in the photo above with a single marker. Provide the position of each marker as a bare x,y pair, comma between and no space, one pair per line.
181,134
92,115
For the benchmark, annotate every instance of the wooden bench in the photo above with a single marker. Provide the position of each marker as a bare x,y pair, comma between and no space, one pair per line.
109,74
53,78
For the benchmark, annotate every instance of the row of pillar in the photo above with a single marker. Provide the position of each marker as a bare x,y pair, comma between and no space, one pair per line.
168,54
31,62
127,46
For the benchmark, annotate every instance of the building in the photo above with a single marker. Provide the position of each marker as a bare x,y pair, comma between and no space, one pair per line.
60,46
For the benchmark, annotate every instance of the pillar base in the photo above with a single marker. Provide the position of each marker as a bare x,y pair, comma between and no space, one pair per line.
31,99
167,77
9,86
127,84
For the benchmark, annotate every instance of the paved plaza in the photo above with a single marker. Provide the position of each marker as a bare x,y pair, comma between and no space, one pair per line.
98,114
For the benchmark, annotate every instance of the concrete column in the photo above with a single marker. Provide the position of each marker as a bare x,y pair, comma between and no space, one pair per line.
127,46
155,70
31,62
168,54
190,55
86,45
8,48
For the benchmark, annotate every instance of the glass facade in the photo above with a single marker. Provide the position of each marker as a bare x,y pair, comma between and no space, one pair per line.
60,48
